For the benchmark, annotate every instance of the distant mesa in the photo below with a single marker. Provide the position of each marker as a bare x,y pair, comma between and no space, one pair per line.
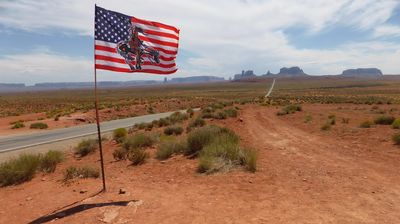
12,85
249,74
292,72
362,72
283,72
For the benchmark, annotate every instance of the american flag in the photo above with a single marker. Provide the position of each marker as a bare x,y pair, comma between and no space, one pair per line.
128,44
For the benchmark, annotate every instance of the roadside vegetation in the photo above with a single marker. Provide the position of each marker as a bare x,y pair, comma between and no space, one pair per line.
73,172
86,147
289,109
39,125
24,167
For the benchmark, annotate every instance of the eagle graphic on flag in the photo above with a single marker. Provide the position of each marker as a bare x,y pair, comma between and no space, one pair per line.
128,44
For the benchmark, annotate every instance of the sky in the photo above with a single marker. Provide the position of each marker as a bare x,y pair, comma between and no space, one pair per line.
52,40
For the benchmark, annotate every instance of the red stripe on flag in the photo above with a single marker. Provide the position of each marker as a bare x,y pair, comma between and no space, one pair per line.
156,24
161,34
122,61
116,69
152,40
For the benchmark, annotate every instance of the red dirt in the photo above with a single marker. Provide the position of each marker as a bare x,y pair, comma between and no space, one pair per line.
346,175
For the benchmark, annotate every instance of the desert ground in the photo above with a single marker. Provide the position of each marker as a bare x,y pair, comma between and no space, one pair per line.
305,173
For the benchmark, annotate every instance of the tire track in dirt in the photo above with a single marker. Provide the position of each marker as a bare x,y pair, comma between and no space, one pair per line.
340,185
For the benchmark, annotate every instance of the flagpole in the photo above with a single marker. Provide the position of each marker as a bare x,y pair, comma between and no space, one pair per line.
96,105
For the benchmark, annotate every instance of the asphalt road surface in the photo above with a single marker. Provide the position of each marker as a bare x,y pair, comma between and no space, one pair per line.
16,142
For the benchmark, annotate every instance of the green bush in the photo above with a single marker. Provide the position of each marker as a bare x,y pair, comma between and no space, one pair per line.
326,127
138,141
308,118
207,115
167,149
190,111
120,134
119,154
396,124
199,138
49,161
19,170
396,138
177,117
86,147
220,115
289,109
162,122
141,126
83,172
207,110
173,130
225,153
198,122
17,125
39,125
384,120
231,112
366,124
137,156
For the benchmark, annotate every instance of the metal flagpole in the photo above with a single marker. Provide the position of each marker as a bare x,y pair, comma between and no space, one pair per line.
96,102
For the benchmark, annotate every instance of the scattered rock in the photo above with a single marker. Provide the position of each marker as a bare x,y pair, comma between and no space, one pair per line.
43,179
122,191
135,203
241,119
29,198
304,179
82,191
110,215
250,181
163,161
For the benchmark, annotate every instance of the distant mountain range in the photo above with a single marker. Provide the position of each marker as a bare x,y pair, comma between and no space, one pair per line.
298,72
106,84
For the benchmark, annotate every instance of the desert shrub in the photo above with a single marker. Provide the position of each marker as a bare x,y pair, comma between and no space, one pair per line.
177,117
199,138
396,124
220,115
289,109
225,153
120,134
19,170
250,160
326,127
198,122
308,118
173,130
138,141
167,149
396,138
231,112
345,120
150,110
86,147
49,161
39,125
149,126
207,110
18,124
366,124
137,156
216,106
57,117
207,115
384,120
332,121
163,122
119,154
190,111
83,172
141,126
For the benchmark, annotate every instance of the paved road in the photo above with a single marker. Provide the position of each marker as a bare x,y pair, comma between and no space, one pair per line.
270,89
15,142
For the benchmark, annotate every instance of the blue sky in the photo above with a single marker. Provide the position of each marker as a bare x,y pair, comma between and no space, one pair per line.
52,41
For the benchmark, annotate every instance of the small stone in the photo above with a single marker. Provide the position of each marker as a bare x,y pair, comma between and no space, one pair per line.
304,179
250,181
122,191
43,179
29,198
163,162
82,191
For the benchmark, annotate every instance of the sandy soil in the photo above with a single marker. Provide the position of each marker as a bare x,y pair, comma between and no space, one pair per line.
346,175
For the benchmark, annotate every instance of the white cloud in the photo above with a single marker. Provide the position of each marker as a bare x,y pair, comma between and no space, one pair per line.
227,36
